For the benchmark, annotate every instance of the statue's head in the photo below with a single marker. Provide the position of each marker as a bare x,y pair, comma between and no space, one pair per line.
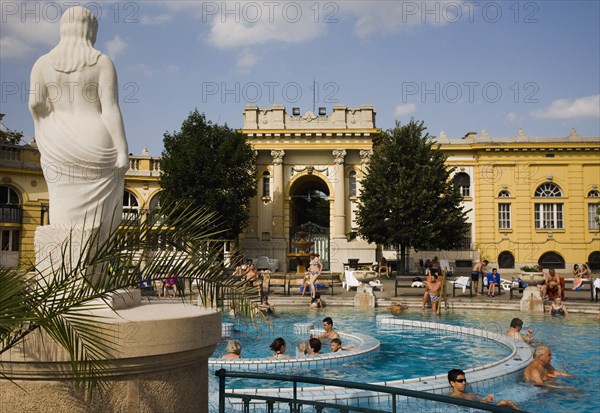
79,23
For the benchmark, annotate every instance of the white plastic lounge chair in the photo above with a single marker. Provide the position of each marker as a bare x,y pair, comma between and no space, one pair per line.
505,284
462,282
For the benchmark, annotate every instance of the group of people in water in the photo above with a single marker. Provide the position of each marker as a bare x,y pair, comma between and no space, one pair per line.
311,347
539,372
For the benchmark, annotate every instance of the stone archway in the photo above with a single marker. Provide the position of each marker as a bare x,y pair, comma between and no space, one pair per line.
309,208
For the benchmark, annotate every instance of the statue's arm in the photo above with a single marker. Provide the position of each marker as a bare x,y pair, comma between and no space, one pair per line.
38,106
111,114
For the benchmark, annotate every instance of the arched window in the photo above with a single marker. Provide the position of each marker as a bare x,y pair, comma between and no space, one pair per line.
506,260
594,260
504,194
10,205
593,210
548,191
10,232
551,259
463,182
352,183
154,209
131,209
266,184
548,215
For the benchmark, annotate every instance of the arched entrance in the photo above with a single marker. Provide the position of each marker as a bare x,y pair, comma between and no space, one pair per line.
309,209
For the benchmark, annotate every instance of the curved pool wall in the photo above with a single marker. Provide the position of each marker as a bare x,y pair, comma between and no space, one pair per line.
506,369
366,346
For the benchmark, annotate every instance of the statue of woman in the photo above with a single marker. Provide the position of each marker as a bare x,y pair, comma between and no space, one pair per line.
78,126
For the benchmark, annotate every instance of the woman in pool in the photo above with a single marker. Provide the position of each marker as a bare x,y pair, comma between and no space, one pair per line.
278,346
234,348
558,308
314,347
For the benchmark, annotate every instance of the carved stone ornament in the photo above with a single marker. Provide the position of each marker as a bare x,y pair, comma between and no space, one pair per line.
339,155
365,155
277,155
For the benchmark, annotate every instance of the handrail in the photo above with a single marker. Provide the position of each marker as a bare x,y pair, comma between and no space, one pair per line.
295,403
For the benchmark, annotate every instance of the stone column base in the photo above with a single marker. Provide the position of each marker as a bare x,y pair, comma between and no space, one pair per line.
161,365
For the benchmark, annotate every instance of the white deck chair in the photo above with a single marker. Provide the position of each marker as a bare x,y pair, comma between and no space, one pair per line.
505,284
462,282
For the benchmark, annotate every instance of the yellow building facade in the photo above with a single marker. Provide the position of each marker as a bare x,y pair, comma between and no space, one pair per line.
530,200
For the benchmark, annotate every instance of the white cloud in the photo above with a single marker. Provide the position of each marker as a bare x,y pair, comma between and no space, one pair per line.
22,37
511,117
246,60
156,20
115,47
404,109
392,16
240,24
173,69
143,69
584,107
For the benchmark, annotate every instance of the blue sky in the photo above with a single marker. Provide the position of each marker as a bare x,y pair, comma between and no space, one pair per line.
459,66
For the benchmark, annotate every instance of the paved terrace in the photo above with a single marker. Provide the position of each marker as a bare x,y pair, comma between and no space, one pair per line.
576,301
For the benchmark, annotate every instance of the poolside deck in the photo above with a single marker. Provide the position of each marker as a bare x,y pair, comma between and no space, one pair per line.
576,301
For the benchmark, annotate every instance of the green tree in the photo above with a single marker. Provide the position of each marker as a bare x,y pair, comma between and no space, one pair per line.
407,198
210,166
11,137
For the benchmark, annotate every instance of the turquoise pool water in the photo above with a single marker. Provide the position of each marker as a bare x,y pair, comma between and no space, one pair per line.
575,343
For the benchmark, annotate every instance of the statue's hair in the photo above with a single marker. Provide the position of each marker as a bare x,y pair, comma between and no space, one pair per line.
78,29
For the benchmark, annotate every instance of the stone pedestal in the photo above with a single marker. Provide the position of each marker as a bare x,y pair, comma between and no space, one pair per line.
364,297
532,300
160,364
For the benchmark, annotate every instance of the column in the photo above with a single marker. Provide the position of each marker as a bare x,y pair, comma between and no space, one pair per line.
339,188
278,155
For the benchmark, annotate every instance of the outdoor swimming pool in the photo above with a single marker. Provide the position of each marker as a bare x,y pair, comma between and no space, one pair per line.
575,343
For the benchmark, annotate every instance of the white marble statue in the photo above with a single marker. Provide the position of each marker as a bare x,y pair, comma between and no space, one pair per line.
78,127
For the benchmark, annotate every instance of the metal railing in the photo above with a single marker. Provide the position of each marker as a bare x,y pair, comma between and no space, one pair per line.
11,213
296,405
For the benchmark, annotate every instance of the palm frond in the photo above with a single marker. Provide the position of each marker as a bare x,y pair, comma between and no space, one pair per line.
60,299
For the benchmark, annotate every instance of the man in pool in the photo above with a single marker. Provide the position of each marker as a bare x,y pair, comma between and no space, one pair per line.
329,333
514,331
540,372
458,382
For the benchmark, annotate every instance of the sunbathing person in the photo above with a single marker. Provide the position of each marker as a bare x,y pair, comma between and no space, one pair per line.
279,347
458,382
514,331
577,278
551,287
540,372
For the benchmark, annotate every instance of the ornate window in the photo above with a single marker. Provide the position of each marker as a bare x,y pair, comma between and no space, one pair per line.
10,205
506,259
463,182
548,215
131,209
504,218
154,209
352,183
504,194
266,184
593,210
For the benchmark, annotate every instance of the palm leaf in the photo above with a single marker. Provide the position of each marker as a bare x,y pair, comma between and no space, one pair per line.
60,300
